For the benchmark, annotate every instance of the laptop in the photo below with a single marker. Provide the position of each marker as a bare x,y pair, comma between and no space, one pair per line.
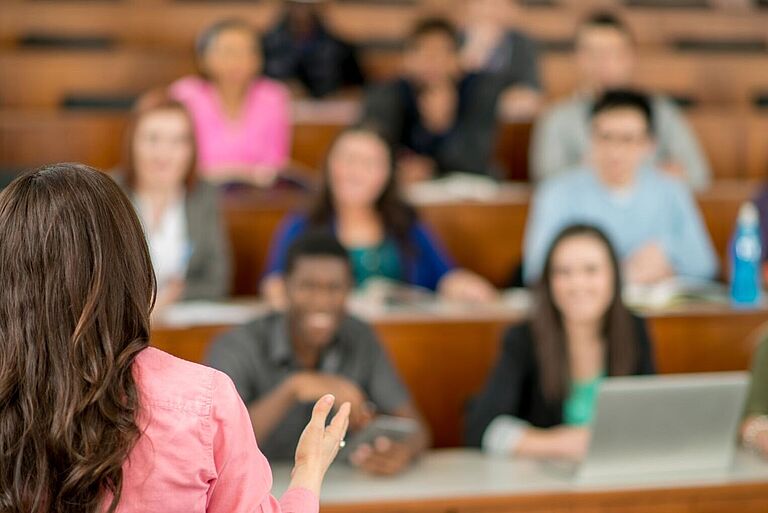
664,425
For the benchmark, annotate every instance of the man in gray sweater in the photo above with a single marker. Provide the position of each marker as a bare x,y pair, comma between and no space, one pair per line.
605,57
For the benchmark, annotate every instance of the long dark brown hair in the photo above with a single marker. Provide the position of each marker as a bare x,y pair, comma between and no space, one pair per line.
76,291
149,103
397,216
618,327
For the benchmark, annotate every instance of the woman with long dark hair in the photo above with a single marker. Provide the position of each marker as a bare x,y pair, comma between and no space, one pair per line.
540,398
93,420
360,203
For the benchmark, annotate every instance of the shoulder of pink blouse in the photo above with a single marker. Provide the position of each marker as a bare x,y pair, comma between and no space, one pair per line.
238,474
171,381
191,88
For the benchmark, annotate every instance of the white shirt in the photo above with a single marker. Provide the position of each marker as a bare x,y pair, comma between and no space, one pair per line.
168,241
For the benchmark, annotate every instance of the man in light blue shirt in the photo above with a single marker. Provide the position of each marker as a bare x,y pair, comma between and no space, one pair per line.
606,59
651,217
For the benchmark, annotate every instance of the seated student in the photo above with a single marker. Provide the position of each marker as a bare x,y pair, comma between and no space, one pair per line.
605,59
440,118
650,217
541,396
490,45
180,213
359,201
755,428
242,120
302,49
283,362
94,420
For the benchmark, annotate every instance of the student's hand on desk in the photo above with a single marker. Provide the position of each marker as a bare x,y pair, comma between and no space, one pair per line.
571,442
310,386
463,285
648,265
385,457
561,442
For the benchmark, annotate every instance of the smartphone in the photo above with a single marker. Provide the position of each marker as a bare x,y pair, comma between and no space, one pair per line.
396,429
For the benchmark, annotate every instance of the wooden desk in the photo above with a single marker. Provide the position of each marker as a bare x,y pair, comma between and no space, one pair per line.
465,481
444,352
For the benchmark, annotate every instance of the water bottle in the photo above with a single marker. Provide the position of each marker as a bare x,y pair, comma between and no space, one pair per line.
746,249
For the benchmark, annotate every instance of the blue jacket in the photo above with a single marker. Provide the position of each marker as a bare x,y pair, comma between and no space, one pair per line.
424,262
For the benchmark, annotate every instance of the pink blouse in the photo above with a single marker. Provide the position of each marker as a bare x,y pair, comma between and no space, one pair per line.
260,137
197,452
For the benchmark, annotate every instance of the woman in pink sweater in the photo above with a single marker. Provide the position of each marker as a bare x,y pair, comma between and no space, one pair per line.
242,120
93,420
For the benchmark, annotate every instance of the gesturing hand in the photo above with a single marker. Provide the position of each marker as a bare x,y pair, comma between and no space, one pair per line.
319,445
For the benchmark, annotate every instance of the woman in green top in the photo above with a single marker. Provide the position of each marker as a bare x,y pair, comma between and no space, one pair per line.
540,398
755,428
360,203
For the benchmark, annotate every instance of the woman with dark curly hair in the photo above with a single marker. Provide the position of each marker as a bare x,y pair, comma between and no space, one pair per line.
93,420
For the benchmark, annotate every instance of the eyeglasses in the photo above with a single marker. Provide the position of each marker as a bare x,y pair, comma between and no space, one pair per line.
619,139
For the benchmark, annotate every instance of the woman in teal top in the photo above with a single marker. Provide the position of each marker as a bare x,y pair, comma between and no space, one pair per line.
379,261
579,406
540,398
360,203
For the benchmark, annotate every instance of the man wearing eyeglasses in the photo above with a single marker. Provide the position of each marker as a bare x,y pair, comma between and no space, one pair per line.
650,216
